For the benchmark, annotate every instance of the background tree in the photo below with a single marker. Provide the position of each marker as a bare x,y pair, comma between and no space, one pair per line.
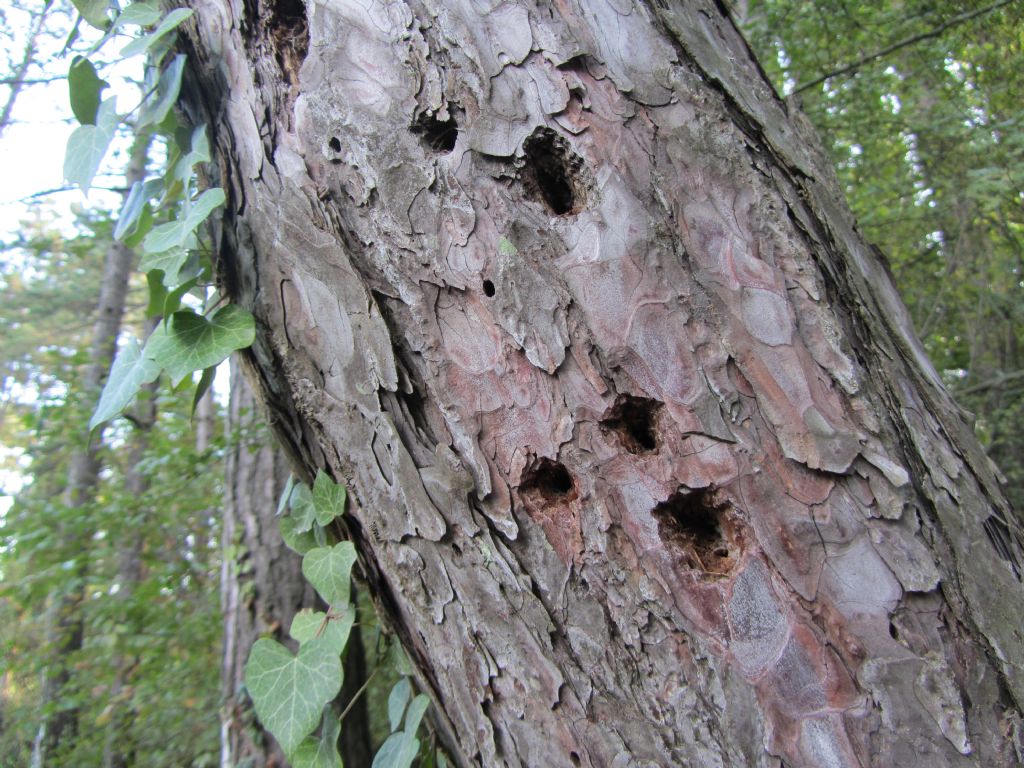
928,145
649,465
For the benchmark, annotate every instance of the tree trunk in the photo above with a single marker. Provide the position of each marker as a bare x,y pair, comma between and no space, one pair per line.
262,587
65,630
648,466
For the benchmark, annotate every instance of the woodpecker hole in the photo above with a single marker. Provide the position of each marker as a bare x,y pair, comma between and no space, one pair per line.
548,482
438,135
334,144
699,531
488,288
552,172
634,420
290,33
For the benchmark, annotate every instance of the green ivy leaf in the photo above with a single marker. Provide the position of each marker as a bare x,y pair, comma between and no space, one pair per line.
173,233
415,713
134,203
297,541
398,751
328,498
87,146
157,293
170,262
397,700
289,692
142,14
322,752
93,11
173,299
127,375
309,625
205,381
84,89
329,570
303,510
160,102
193,343
142,44
286,495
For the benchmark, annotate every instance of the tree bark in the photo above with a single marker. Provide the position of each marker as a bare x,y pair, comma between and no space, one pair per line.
649,466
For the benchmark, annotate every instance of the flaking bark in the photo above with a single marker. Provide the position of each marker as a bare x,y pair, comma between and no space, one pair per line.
650,468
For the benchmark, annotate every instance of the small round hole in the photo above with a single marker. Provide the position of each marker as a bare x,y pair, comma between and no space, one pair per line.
488,288
334,144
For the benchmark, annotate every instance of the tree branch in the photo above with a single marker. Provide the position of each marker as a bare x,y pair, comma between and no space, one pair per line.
1002,378
853,67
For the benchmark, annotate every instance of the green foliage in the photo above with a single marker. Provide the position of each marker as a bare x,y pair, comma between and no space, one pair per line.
928,142
289,692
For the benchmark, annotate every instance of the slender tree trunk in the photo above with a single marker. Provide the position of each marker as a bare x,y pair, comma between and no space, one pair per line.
18,76
649,466
66,631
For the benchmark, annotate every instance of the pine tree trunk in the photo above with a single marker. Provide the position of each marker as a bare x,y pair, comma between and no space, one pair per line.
648,466
65,631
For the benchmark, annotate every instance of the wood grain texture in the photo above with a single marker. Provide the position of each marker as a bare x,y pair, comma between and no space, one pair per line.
650,468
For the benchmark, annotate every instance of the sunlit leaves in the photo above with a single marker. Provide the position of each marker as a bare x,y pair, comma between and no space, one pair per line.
88,145
190,342
289,692
141,14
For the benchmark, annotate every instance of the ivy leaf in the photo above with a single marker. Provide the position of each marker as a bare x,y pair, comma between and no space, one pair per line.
173,233
286,495
133,206
328,498
309,625
414,714
142,44
205,381
93,11
398,751
322,752
329,570
302,507
397,700
160,102
157,293
87,146
297,541
127,375
289,692
193,343
142,14
170,262
173,299
84,89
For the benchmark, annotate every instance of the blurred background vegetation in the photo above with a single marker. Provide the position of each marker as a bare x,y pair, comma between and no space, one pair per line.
918,102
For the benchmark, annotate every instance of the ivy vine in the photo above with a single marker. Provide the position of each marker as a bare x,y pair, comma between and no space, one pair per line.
162,217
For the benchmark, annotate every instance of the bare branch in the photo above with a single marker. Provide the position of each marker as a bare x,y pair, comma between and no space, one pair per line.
955,21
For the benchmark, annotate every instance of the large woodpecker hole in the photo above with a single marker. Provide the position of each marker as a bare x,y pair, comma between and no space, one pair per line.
439,135
552,172
697,529
634,421
548,482
290,34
